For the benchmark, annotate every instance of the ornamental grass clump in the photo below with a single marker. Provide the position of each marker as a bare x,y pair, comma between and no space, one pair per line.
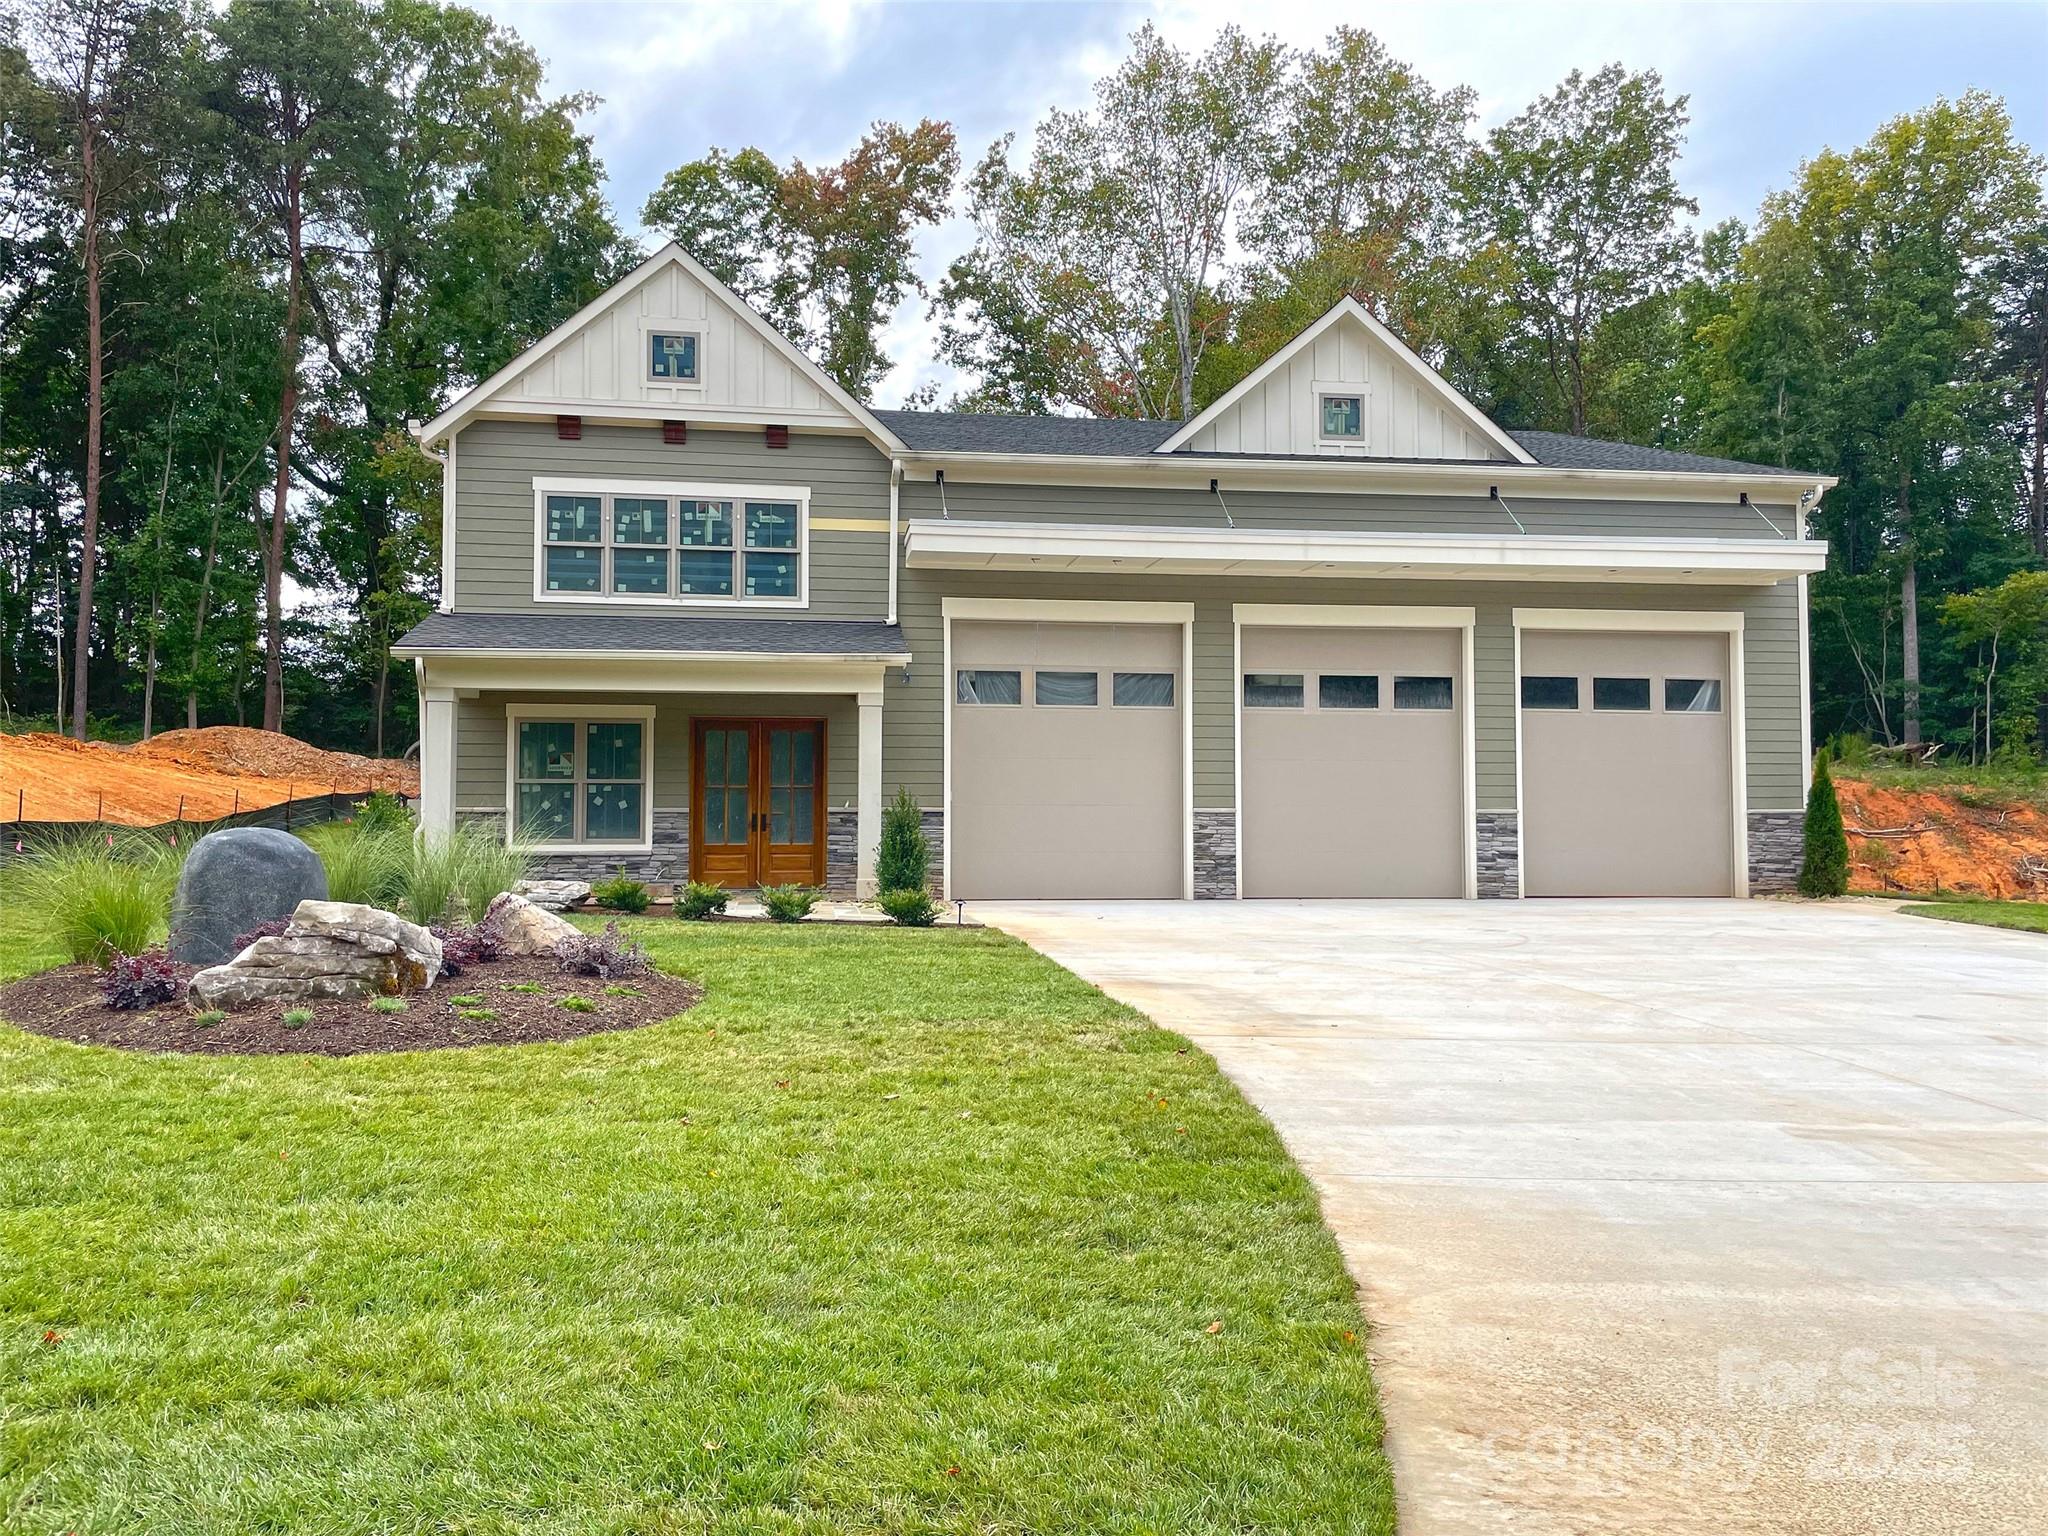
97,895
364,860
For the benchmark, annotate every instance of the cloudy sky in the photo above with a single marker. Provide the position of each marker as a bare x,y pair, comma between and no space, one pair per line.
1770,83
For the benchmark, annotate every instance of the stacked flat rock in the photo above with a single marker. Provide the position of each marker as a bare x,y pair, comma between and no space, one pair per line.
553,895
331,949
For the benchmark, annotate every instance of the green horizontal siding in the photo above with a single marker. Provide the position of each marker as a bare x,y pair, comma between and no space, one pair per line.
496,463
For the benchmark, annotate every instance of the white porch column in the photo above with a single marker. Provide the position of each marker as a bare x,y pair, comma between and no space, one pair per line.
867,815
437,760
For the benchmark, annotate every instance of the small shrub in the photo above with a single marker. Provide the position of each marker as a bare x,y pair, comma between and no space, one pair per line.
621,893
141,981
576,1004
789,903
209,1018
382,811
270,929
477,1015
387,1005
610,955
1824,871
903,859
699,900
297,1018
913,909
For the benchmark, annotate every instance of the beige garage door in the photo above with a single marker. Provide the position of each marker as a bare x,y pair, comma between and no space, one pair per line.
1353,762
1066,761
1627,782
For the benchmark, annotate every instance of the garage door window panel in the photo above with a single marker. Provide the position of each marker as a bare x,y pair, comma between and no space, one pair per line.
1142,690
1064,690
1692,695
1622,695
1273,690
1550,693
1343,690
972,685
1422,693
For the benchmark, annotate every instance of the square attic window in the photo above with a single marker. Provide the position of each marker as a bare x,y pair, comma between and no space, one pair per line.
1343,416
672,356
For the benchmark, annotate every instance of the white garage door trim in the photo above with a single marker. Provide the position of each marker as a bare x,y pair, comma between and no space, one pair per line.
1077,611
1355,616
1651,621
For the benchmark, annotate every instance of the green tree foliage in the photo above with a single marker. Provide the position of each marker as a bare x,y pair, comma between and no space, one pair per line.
1824,867
903,861
2008,624
827,254
1578,195
1093,277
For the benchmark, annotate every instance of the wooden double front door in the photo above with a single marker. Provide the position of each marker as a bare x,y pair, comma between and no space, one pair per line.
757,802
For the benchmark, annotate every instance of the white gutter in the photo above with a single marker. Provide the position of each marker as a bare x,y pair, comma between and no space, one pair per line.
523,653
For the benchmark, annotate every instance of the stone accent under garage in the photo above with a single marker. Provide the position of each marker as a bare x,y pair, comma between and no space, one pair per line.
1499,843
1215,855
1777,847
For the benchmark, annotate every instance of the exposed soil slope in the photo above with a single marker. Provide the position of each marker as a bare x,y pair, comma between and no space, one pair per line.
1944,839
214,771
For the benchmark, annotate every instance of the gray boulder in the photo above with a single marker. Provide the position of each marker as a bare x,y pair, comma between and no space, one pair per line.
331,949
234,880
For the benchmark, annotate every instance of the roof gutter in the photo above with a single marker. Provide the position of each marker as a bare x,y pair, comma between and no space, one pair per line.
640,653
1357,475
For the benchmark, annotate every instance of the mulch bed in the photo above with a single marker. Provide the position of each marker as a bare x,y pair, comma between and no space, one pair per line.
64,1004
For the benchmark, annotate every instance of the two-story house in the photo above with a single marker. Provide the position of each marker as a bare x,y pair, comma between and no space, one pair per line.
1340,635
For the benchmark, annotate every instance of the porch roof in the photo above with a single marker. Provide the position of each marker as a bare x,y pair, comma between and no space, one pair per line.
640,635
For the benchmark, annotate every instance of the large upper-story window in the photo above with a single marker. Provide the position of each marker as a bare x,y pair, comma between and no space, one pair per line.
642,542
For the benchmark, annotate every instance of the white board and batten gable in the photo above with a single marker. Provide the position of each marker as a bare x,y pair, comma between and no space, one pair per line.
1350,370
600,363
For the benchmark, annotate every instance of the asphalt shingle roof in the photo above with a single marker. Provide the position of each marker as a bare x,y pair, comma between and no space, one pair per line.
1091,437
653,633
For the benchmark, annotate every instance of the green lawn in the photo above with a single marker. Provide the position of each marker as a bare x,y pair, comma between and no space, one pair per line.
898,1231
2028,916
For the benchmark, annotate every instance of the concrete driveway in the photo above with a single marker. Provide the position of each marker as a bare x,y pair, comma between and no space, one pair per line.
1668,1216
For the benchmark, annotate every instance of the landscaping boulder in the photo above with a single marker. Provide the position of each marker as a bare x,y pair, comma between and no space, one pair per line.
527,928
234,880
331,949
553,895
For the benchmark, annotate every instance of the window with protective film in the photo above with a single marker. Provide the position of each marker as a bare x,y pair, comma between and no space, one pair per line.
579,781
635,546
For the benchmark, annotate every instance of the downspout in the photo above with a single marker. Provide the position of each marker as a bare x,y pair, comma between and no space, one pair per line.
895,554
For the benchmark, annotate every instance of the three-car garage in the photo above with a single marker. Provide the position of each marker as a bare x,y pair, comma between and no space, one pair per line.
1354,738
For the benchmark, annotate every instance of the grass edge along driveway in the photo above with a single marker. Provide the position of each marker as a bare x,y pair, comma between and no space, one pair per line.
898,1231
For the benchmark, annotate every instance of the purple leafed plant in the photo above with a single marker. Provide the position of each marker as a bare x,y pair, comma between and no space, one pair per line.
609,955
475,945
141,981
272,929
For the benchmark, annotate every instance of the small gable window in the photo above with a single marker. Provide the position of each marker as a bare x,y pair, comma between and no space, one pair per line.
672,356
1343,417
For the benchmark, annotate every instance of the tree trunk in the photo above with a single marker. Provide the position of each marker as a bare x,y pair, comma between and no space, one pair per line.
205,593
273,575
2038,513
1909,669
89,211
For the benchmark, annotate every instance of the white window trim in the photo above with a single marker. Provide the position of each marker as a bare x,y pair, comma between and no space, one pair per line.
1076,611
1734,701
649,328
1367,616
1324,387
573,712
545,486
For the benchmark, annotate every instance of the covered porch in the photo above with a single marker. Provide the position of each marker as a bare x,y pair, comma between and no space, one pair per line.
744,752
